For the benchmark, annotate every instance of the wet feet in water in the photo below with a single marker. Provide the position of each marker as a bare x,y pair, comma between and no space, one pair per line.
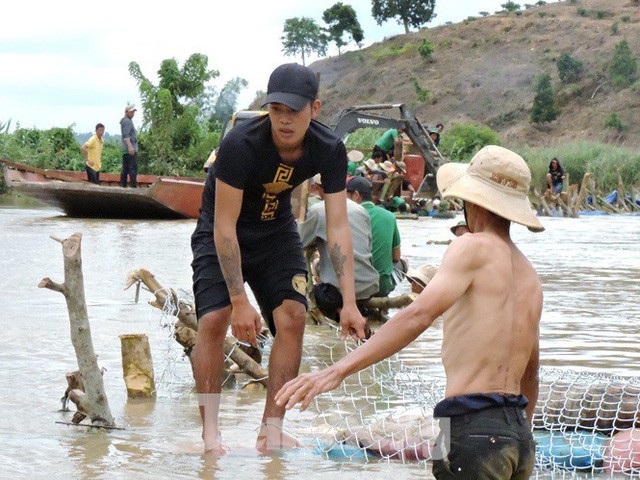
271,438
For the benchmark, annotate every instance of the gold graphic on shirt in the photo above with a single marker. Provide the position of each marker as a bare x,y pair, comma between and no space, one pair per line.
276,187
299,282
279,185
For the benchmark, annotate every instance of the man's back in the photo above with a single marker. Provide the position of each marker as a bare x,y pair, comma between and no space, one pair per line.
313,231
490,332
385,237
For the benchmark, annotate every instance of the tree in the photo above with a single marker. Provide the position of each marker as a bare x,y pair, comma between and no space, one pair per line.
570,69
172,130
544,103
228,98
623,66
511,6
342,19
463,140
303,36
410,13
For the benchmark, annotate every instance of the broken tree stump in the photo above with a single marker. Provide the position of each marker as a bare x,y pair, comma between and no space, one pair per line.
137,366
91,402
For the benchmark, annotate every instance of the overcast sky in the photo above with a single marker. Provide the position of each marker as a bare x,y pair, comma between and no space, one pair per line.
64,63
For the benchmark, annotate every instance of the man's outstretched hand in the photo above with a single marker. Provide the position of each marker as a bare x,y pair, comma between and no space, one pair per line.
303,388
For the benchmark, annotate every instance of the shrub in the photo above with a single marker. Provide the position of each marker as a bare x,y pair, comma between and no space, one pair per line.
614,122
626,19
570,69
463,140
422,93
582,12
426,50
484,14
624,65
614,28
544,103
600,14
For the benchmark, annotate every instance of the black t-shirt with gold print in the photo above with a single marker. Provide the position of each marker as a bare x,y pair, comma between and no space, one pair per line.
249,160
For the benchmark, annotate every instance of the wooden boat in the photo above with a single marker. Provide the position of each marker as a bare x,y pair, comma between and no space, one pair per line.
156,197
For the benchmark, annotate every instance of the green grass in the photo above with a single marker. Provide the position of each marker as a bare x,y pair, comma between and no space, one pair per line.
393,50
607,163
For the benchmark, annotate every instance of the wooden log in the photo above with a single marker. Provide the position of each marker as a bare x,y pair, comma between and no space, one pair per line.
187,324
584,190
137,366
93,400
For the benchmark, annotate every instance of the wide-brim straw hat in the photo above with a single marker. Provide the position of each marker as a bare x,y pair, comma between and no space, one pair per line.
371,164
355,156
497,180
402,166
388,166
424,273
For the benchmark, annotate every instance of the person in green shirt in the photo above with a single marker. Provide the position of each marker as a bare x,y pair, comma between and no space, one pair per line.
383,149
385,236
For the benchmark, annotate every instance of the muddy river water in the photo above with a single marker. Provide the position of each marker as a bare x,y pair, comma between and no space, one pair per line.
589,267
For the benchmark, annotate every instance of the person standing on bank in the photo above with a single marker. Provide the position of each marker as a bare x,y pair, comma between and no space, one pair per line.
491,301
129,147
247,232
92,153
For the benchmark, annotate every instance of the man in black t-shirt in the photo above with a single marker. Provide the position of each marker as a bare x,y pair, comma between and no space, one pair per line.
247,232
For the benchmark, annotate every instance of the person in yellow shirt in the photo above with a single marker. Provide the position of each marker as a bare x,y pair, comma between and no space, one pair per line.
92,153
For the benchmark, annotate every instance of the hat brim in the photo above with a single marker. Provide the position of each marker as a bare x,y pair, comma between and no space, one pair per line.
355,156
291,100
453,182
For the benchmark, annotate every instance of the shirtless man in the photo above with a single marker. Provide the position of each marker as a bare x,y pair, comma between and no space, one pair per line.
491,300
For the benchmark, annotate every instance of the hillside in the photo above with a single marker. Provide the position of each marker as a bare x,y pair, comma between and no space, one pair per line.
483,70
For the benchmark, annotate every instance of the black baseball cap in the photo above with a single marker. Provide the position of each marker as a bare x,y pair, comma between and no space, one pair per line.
359,184
293,85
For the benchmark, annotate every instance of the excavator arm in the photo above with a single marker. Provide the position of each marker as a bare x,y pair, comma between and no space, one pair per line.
363,116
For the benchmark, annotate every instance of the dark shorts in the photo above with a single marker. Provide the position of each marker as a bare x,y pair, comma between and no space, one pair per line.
493,443
274,268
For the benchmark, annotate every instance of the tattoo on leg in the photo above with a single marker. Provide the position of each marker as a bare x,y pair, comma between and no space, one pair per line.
230,263
338,259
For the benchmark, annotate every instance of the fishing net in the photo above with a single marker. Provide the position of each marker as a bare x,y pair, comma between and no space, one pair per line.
584,423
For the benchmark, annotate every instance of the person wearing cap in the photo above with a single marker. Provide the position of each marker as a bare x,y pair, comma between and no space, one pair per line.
383,149
420,277
129,148
460,228
313,233
385,235
92,153
490,298
246,231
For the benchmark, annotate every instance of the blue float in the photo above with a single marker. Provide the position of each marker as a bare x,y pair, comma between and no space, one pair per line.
580,451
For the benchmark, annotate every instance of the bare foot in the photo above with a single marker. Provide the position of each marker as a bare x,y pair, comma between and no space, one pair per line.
214,447
272,438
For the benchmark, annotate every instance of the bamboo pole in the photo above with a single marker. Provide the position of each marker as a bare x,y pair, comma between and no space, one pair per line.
93,400
584,190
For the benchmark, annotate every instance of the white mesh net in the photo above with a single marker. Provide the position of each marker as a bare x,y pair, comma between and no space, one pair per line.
585,424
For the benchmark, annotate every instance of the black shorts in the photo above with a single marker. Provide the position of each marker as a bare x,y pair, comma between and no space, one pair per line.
493,443
274,268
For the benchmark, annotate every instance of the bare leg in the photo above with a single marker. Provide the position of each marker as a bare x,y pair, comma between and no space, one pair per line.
208,364
284,364
549,182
